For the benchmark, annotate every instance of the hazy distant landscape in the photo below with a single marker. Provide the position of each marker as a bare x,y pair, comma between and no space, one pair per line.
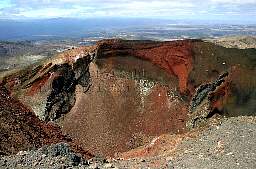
90,30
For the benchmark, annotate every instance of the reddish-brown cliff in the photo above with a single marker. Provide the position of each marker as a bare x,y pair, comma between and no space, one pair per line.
175,57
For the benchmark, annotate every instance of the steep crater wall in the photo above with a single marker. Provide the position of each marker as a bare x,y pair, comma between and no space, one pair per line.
196,63
48,88
136,90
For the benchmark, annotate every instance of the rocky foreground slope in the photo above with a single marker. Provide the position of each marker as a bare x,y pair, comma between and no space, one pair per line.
119,95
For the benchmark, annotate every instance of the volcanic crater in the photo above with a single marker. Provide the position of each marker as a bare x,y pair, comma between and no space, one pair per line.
118,95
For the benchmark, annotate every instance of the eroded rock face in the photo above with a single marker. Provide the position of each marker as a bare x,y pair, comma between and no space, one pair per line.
111,105
236,95
174,57
203,103
49,88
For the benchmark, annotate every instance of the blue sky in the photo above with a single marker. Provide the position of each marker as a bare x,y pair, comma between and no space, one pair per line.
169,9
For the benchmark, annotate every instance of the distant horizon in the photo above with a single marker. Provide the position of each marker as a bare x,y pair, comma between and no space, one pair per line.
182,21
119,27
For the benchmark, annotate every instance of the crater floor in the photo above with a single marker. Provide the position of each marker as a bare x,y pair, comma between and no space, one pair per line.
130,101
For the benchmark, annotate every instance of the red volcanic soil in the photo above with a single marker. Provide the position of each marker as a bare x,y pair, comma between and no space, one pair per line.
38,84
116,114
21,130
174,57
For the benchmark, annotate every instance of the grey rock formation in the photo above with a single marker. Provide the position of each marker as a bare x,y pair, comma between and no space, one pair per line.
200,106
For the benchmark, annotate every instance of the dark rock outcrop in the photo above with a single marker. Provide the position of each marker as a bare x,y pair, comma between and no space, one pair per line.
204,90
203,104
49,88
62,96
